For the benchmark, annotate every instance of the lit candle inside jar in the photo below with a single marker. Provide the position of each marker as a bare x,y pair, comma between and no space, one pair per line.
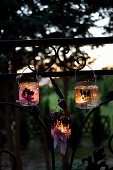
63,128
82,101
28,93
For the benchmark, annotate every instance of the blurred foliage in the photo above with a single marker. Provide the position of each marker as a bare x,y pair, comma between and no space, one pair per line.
98,131
24,131
76,166
79,114
105,86
97,120
21,19
41,18
46,108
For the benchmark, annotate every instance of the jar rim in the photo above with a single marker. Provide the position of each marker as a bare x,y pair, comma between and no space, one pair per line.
85,79
27,80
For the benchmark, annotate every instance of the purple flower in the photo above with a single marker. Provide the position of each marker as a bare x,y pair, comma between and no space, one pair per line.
58,135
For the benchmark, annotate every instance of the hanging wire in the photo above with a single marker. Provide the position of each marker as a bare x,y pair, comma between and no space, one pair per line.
93,72
94,75
38,77
20,75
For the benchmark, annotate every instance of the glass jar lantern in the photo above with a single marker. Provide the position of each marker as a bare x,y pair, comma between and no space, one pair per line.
28,93
62,126
86,94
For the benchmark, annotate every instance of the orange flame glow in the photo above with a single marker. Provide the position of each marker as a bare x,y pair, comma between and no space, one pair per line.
63,128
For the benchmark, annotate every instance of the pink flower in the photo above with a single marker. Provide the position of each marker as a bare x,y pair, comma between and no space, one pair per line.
58,135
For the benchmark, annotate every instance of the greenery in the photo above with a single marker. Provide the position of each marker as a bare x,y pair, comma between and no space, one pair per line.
105,85
97,123
46,108
76,166
22,19
98,131
35,19
24,131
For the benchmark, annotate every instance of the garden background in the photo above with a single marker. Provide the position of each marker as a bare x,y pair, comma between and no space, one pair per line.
19,132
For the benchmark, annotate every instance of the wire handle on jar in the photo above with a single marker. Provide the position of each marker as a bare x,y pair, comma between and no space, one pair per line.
18,77
38,77
94,75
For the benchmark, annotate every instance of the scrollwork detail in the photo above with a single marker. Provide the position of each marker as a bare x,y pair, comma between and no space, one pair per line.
70,61
97,162
12,156
43,57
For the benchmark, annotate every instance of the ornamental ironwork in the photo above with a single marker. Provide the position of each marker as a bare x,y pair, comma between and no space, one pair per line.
46,48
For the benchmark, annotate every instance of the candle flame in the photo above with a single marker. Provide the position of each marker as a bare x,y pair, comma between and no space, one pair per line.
63,128
82,98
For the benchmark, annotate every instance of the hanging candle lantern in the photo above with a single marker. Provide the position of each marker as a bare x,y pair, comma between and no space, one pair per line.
86,93
62,125
60,128
28,93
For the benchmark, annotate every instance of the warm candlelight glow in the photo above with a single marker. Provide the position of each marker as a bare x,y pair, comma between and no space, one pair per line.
63,128
28,93
86,96
60,124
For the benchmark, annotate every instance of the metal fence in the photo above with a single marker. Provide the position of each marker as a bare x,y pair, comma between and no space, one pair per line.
56,45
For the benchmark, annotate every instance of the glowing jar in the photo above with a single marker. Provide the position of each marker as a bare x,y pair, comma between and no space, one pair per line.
62,127
86,94
28,93
59,123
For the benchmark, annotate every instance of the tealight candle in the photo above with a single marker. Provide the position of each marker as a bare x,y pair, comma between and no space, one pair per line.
86,96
